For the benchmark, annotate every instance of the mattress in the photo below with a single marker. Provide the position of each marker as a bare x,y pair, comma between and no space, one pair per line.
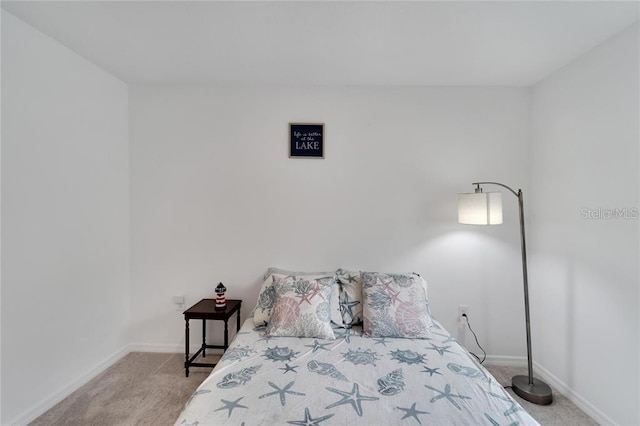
354,380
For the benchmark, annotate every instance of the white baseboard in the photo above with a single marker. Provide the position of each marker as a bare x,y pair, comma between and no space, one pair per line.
167,348
160,348
553,381
572,395
60,394
508,361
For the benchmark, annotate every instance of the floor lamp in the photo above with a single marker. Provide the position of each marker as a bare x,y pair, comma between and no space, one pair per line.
485,208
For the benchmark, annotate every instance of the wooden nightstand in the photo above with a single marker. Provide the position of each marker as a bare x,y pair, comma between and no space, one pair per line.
206,310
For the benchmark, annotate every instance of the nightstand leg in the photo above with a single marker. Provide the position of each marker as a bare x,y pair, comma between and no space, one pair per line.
204,338
238,320
226,334
186,348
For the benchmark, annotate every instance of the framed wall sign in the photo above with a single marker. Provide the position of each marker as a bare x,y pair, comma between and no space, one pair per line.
306,140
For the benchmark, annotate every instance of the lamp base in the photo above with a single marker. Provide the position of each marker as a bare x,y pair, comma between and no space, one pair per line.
538,393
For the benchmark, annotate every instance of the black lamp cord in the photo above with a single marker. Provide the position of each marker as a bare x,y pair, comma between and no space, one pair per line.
484,354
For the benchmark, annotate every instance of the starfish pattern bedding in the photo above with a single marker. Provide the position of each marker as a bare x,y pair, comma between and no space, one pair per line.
352,380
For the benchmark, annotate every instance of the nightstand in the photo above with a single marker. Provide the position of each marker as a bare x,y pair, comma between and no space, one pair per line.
206,310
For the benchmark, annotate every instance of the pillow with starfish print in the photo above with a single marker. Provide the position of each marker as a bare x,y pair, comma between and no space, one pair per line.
395,305
350,286
302,308
267,295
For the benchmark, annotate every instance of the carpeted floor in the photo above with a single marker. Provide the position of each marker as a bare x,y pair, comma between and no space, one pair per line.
561,412
142,388
150,389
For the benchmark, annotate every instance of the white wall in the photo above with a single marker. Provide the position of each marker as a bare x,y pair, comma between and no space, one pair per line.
214,196
584,276
65,220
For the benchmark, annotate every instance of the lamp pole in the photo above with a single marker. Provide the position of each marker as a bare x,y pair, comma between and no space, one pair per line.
527,387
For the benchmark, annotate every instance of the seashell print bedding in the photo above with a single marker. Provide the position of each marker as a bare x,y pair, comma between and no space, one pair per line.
354,380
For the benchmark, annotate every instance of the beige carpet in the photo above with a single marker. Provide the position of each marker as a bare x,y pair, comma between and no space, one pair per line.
150,389
140,389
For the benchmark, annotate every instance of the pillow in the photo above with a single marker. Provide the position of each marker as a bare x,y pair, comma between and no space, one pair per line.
266,299
350,285
395,305
267,295
302,308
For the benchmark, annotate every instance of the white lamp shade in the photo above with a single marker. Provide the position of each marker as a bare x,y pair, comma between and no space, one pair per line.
480,208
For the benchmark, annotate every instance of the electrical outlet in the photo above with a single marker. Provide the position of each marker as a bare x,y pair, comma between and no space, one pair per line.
179,302
463,310
462,323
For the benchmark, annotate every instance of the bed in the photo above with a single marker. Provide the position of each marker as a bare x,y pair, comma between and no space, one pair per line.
358,375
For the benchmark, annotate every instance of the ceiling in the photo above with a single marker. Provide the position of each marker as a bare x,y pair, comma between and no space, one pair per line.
447,43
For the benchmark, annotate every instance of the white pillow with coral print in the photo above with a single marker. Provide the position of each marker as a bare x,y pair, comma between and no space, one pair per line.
302,308
267,295
395,305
